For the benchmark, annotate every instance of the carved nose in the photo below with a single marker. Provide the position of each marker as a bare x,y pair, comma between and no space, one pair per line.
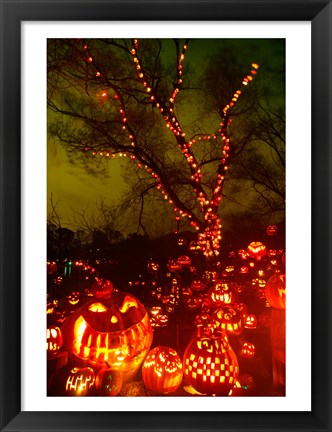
114,319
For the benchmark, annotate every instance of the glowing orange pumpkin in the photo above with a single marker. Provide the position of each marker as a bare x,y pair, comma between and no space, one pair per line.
275,291
228,319
222,293
250,321
210,365
114,332
248,350
53,339
162,370
80,381
256,250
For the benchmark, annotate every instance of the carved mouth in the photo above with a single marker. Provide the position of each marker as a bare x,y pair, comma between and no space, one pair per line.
114,348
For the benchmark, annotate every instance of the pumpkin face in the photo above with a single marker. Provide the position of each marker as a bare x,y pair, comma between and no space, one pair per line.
174,266
53,339
162,370
191,301
79,381
256,250
248,350
222,293
153,267
210,365
250,321
229,320
108,382
275,291
115,331
272,230
197,285
184,260
102,289
194,246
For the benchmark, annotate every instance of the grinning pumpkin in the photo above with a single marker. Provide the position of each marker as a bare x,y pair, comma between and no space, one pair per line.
275,291
114,332
272,230
250,321
80,381
102,289
210,365
153,267
53,340
228,319
222,293
162,370
256,250
248,350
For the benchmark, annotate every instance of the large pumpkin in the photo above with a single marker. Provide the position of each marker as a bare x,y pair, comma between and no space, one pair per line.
162,370
210,365
112,332
275,291
222,293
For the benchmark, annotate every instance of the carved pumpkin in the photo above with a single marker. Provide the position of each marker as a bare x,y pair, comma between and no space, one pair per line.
197,284
153,267
229,320
275,291
53,339
102,289
210,365
195,246
248,350
222,293
184,260
256,250
272,230
191,301
108,382
173,266
114,332
79,381
250,321
162,370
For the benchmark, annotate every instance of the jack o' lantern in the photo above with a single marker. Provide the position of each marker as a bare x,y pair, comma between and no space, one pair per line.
51,267
162,370
256,250
275,291
222,293
197,284
210,365
80,381
250,321
184,260
174,266
195,246
153,267
114,332
228,319
73,300
191,301
53,340
102,289
108,382
272,230
248,350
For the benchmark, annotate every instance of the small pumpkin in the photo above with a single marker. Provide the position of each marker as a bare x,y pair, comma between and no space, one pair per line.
108,382
80,381
256,250
162,370
53,340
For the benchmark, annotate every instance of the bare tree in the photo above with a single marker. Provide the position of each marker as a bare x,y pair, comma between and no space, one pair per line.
129,98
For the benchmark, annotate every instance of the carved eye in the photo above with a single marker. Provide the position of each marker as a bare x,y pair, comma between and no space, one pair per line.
128,302
97,307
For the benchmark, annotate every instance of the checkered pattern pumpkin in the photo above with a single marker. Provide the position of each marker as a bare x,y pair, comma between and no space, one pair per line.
210,365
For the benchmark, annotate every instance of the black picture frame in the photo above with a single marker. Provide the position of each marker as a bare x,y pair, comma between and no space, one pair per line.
13,12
